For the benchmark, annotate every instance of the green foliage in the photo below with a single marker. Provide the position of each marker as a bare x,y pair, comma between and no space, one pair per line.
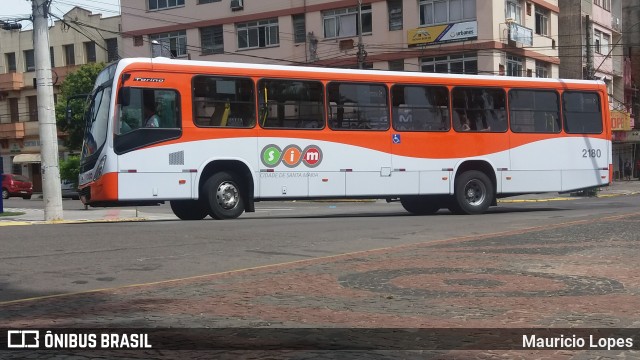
78,82
70,169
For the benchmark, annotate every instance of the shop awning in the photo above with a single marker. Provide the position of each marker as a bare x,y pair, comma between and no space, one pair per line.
26,158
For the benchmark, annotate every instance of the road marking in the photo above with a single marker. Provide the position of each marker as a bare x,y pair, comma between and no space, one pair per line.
328,257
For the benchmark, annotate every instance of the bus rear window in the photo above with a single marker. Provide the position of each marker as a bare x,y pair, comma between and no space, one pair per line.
223,102
582,112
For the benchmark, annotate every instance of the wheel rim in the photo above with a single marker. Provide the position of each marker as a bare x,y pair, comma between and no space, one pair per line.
5,194
475,192
227,195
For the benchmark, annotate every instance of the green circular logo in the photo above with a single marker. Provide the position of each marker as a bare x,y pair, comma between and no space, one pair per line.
271,155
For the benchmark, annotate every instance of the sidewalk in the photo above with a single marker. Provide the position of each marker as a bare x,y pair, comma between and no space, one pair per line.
36,216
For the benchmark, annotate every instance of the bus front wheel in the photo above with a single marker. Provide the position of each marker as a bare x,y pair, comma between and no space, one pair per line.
189,209
473,193
224,196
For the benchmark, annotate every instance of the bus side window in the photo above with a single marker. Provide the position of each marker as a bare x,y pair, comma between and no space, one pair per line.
223,102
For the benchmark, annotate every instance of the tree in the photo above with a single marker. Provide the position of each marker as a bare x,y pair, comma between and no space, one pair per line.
70,169
78,82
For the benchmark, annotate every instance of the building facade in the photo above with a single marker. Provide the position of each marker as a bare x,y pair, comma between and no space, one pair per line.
78,38
630,138
509,37
592,47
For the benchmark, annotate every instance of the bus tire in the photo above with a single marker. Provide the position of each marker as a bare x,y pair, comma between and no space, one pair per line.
473,193
420,205
224,196
189,209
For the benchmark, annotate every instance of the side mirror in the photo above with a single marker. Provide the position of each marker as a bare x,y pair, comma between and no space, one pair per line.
124,96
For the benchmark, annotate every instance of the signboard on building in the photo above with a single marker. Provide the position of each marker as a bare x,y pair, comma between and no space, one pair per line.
620,120
521,34
438,34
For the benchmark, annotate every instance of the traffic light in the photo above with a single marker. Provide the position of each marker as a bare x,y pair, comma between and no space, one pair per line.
11,26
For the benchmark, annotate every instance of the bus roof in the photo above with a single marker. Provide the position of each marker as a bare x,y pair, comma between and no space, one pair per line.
310,69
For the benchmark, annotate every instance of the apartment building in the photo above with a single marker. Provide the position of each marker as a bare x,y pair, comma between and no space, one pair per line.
507,37
78,38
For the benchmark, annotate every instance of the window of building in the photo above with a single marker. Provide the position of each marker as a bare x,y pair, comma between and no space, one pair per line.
446,11
13,110
291,104
69,55
211,40
299,28
396,65
534,111
513,10
52,57
601,42
514,66
90,51
543,70
452,64
479,109
344,22
163,4
223,102
258,34
542,21
395,14
29,61
11,62
605,4
582,112
32,101
175,41
207,1
112,49
138,41
420,108
358,106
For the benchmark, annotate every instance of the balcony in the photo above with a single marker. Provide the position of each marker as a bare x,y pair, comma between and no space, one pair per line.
59,73
12,131
11,81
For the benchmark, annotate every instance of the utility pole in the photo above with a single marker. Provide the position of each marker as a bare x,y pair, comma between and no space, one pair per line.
362,54
52,194
589,53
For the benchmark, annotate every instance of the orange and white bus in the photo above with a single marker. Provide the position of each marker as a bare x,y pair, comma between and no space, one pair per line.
214,138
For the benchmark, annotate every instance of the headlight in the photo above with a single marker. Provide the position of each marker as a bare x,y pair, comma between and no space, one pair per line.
100,167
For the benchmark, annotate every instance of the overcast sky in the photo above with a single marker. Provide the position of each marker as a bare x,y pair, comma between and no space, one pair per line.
11,9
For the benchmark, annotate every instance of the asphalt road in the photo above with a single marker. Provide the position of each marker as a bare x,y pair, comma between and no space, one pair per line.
40,260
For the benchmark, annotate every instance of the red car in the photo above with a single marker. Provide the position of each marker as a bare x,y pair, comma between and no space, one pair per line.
16,185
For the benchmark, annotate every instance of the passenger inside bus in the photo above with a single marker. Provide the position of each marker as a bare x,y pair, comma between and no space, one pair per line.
151,118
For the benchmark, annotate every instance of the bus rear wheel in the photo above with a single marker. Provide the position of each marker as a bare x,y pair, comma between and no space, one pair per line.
189,209
473,193
224,196
421,205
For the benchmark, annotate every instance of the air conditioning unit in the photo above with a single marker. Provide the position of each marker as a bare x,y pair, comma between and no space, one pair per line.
237,5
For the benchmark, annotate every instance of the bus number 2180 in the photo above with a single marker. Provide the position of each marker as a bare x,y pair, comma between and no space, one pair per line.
591,153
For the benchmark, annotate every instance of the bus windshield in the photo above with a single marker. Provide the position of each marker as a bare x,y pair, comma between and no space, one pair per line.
97,116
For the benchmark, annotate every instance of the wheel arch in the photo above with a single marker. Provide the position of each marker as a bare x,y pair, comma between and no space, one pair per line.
235,166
